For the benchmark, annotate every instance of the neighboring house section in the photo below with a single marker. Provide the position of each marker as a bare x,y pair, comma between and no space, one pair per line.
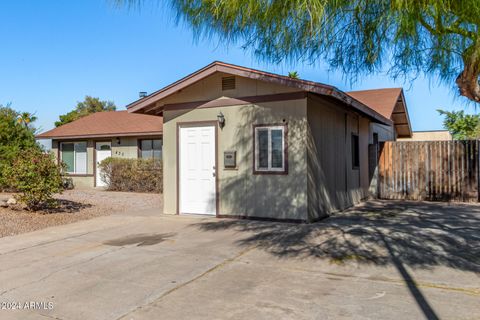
84,143
391,104
240,142
433,135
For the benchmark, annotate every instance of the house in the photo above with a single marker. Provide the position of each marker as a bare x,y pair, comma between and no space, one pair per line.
430,135
240,142
84,143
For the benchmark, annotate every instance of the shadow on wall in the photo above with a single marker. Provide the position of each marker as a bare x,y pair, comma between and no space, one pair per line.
281,196
417,234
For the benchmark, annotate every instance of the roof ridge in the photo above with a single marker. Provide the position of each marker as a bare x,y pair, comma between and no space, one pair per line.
376,89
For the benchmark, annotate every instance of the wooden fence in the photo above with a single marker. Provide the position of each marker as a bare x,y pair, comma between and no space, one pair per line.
429,170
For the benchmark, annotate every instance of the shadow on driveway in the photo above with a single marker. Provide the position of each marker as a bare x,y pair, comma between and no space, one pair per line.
398,233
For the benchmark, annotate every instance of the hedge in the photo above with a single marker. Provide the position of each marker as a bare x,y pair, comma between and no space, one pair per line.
135,175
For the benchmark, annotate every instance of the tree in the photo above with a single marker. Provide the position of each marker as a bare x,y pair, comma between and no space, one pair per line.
293,75
437,37
14,137
84,108
462,126
26,119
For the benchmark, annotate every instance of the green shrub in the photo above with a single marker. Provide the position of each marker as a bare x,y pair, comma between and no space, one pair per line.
136,175
14,137
36,176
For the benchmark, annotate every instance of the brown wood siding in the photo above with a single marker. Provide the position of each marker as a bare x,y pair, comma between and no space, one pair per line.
332,182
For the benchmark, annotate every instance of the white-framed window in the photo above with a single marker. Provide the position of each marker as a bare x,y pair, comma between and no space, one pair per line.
270,149
74,155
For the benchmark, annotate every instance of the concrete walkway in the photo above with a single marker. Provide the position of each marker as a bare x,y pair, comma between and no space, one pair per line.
365,264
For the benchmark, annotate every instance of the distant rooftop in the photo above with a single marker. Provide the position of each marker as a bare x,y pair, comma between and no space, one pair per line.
107,124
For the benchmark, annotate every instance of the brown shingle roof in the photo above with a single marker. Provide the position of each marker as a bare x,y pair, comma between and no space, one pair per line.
381,100
108,124
390,103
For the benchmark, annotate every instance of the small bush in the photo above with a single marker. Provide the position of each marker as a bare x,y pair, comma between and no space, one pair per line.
136,175
36,176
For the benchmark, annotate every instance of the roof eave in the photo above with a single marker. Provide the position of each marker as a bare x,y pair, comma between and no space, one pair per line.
107,135
308,86
406,114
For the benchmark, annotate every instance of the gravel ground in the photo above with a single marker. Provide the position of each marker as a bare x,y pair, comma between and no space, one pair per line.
75,205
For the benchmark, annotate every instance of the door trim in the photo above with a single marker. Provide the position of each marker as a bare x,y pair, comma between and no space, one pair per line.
213,123
95,158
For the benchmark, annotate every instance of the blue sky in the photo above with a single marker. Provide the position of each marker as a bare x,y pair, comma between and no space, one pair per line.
55,52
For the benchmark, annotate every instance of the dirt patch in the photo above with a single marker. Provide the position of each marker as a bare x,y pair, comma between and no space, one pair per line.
140,239
75,205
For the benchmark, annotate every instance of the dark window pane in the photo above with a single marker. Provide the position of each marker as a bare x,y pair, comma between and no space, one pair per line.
355,152
146,146
105,147
262,135
277,149
68,156
157,149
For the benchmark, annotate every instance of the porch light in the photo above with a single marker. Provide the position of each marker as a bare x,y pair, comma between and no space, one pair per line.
221,120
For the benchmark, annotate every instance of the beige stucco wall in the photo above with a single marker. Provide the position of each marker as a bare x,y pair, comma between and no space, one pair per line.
240,191
127,148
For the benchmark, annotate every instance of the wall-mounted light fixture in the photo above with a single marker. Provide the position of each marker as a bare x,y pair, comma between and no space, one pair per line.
221,120
118,140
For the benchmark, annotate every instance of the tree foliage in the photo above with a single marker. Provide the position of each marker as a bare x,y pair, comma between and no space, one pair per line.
293,75
462,126
26,119
14,137
84,108
437,37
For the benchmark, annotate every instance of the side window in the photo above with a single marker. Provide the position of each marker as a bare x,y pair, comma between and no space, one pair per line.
355,152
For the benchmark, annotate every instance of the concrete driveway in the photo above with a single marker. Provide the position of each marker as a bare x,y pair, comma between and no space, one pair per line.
383,260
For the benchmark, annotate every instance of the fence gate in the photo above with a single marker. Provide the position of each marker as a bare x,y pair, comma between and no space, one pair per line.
429,170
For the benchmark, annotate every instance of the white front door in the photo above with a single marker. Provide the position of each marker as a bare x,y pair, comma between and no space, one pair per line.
103,151
197,169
